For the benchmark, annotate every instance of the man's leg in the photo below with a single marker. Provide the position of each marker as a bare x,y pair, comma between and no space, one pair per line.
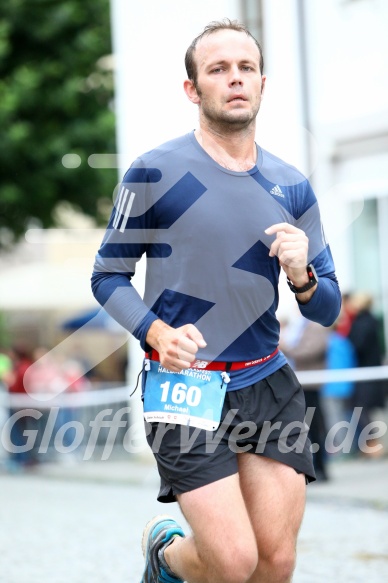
222,547
274,495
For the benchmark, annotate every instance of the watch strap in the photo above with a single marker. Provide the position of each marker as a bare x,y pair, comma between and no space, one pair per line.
313,279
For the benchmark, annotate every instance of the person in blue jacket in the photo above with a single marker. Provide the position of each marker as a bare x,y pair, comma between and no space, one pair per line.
218,218
336,396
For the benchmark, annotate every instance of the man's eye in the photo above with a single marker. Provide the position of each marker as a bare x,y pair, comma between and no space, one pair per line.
247,68
217,70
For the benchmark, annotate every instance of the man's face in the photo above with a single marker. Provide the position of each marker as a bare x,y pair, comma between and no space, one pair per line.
229,83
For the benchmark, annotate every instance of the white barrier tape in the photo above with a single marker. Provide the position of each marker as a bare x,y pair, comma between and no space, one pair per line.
46,401
320,377
121,394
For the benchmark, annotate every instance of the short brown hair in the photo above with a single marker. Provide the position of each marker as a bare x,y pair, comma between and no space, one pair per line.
212,27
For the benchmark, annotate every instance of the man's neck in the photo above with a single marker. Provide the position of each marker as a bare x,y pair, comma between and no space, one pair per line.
233,150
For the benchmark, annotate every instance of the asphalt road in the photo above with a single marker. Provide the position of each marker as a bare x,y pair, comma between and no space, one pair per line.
56,530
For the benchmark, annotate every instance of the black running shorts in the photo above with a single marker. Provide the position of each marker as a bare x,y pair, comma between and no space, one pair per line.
265,419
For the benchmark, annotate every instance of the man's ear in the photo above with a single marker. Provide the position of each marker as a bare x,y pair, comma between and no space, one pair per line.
191,91
263,80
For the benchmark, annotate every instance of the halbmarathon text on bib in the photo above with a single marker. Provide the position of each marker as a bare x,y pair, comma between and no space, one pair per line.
189,397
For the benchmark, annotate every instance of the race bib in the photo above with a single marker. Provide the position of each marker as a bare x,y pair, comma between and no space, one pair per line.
189,397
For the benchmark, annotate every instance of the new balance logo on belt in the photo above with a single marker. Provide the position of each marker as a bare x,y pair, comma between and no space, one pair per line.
277,191
200,364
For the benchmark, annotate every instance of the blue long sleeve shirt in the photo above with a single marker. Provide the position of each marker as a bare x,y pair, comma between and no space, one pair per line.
201,227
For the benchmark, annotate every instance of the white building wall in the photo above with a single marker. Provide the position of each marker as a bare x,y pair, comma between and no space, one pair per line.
281,129
349,47
348,56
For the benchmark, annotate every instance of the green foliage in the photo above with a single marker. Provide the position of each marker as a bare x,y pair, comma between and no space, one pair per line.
56,91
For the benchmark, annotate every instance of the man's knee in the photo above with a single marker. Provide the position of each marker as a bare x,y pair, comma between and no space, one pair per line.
280,564
238,563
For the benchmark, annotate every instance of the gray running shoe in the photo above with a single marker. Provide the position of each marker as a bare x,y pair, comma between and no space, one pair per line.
156,536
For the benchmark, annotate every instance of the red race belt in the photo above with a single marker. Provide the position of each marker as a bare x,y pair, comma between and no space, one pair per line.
218,365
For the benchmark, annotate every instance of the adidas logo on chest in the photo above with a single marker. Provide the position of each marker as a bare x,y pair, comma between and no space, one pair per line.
277,191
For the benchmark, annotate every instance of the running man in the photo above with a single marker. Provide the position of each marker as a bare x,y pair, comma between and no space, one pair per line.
218,218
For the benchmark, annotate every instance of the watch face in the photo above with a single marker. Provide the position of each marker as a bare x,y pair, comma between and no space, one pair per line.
311,272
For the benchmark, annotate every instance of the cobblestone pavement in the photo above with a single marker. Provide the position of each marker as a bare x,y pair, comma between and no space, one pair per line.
65,531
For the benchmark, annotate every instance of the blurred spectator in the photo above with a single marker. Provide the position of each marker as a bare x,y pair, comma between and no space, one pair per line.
50,374
44,377
21,361
345,320
5,370
336,396
73,375
305,345
79,355
365,337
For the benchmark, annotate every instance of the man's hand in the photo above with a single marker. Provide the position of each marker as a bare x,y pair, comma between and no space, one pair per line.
291,248
177,347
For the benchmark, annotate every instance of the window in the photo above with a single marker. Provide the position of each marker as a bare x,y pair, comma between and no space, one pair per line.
366,250
370,244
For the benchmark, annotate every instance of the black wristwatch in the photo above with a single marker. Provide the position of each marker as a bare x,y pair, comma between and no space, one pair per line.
313,279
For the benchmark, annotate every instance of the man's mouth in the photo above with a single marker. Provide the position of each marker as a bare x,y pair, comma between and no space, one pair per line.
237,98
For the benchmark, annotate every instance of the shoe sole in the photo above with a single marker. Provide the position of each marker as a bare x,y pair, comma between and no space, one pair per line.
148,528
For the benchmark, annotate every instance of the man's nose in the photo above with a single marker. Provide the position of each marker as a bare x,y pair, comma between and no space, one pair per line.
235,76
